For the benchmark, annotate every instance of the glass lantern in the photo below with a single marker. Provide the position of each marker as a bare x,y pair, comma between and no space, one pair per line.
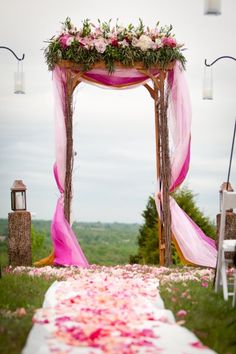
207,93
18,196
19,79
212,7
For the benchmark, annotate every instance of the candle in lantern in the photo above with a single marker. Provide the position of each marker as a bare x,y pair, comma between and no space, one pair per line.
19,82
19,201
207,93
208,83
212,7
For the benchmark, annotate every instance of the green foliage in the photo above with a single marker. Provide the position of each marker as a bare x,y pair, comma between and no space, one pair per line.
107,244
148,252
37,240
41,239
185,198
102,243
3,227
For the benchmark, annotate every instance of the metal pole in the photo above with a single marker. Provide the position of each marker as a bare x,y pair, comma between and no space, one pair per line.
222,57
10,50
232,147
231,155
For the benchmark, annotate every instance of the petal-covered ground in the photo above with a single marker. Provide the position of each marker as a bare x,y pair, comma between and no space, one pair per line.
110,310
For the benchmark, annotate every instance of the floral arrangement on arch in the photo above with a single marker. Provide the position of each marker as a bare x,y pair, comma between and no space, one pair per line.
127,45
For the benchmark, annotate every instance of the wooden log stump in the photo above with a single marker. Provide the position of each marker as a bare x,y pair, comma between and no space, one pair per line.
19,239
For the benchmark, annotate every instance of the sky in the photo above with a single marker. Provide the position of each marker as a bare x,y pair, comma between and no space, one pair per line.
114,169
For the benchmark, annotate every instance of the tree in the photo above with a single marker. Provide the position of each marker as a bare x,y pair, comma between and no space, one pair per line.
148,252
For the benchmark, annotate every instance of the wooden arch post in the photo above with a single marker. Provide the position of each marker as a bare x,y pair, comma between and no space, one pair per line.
72,80
160,96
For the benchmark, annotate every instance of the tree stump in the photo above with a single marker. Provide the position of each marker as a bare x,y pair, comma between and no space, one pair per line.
19,238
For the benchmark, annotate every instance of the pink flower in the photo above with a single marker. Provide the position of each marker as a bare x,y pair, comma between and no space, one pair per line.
97,32
204,284
198,345
65,40
100,45
169,42
20,312
86,42
114,42
181,313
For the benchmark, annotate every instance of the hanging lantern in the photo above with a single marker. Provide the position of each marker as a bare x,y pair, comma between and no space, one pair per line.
207,83
19,79
212,7
18,196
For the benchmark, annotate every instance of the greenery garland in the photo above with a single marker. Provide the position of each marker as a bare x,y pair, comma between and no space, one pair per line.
128,45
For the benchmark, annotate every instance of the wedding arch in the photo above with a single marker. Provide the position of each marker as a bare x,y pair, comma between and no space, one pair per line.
120,58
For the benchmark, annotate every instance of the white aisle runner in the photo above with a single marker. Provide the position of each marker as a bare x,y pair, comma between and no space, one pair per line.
108,311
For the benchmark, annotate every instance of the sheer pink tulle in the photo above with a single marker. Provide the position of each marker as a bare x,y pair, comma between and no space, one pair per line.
196,247
67,250
121,78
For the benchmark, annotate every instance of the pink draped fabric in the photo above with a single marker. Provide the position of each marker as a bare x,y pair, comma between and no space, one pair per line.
180,126
67,250
121,78
195,246
59,81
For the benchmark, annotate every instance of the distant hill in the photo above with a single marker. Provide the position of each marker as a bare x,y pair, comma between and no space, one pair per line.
102,243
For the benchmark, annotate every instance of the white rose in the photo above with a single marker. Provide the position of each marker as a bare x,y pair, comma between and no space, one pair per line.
124,43
144,43
158,42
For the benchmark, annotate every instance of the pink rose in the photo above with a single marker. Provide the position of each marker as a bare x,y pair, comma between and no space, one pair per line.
169,42
113,41
65,40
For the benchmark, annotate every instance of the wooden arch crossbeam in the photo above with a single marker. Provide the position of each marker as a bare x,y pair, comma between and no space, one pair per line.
159,93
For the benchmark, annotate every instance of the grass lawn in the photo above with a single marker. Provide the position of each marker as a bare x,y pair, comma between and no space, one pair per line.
212,319
20,295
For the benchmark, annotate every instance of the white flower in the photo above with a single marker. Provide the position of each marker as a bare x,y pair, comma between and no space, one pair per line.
124,43
120,29
144,43
69,41
134,42
158,42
